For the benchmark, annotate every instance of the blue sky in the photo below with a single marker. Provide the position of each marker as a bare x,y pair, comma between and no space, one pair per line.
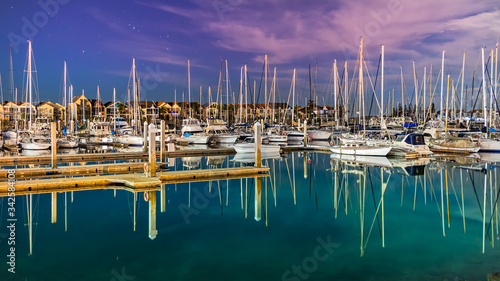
99,38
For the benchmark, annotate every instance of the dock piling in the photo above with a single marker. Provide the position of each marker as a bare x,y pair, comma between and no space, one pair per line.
152,152
162,140
145,141
258,143
54,145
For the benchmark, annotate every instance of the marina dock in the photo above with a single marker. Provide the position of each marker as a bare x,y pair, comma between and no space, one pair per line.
136,182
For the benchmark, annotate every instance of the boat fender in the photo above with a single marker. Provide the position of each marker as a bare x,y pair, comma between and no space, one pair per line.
309,136
146,167
146,196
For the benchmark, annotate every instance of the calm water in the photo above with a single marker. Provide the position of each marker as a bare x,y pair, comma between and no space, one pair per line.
330,225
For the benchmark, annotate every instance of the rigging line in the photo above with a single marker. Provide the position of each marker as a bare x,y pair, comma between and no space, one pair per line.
260,83
374,201
494,208
373,86
489,79
480,86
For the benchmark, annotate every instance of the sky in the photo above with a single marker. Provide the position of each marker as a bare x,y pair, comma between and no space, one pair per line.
98,40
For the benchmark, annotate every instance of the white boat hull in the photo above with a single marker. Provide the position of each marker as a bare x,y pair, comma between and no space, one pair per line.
197,139
489,145
35,146
225,138
277,138
250,148
319,135
130,140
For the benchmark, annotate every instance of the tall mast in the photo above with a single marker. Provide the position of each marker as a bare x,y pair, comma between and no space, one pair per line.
346,84
442,85
65,97
425,82
314,92
447,94
241,95
361,95
293,94
134,95
11,76
462,90
416,90
430,90
496,71
201,113
254,101
209,103
189,90
114,111
265,88
335,93
274,94
83,102
484,90
491,89
227,94
402,96
98,101
15,114
382,125
246,95
29,81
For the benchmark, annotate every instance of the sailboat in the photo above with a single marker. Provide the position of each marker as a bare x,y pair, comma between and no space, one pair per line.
216,127
248,146
10,137
191,131
132,138
67,141
362,145
293,134
34,140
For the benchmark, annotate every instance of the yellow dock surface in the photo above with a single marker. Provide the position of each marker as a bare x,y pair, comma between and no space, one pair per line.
95,157
136,182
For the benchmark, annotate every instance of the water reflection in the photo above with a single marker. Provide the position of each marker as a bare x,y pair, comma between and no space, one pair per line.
406,213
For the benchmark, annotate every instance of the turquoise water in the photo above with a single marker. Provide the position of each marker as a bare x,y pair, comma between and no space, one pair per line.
213,230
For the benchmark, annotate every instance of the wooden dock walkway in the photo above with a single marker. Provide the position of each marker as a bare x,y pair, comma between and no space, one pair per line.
95,157
134,182
78,170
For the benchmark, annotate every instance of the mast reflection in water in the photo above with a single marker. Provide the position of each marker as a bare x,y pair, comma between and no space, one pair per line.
389,219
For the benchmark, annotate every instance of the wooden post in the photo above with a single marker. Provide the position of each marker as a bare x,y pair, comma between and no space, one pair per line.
53,145
162,141
145,141
152,215
305,133
152,153
258,143
54,205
